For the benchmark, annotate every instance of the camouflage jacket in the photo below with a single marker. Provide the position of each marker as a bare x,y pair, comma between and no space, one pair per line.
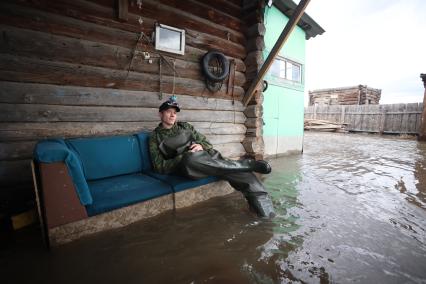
167,166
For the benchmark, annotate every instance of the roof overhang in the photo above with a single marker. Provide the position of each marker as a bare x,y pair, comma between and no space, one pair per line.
306,23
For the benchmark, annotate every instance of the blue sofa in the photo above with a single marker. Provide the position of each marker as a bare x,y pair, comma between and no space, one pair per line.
107,173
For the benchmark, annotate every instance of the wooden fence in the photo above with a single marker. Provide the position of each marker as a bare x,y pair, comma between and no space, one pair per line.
392,118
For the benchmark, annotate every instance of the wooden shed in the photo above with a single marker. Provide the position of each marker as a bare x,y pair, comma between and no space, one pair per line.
356,95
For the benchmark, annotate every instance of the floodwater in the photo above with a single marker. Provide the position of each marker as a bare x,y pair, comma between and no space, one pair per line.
351,209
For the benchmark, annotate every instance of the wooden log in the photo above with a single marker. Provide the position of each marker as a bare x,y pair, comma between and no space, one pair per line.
225,6
15,173
254,145
206,42
16,150
82,10
254,132
219,128
37,131
78,28
39,20
237,3
258,29
197,17
223,139
255,44
123,10
13,68
254,111
231,150
202,11
22,42
28,93
48,113
253,60
250,5
104,13
254,122
253,16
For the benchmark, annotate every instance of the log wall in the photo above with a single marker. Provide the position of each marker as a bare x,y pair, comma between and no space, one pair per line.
65,71
356,95
254,14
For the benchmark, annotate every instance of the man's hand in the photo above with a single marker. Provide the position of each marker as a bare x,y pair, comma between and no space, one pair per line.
195,148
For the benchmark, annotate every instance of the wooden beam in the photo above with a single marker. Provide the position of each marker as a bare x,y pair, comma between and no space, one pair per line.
422,132
277,47
123,10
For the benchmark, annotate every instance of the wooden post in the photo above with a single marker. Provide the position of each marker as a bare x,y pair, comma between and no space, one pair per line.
294,19
422,133
315,111
342,115
123,10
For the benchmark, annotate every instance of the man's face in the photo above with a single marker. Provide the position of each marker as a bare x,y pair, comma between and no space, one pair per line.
168,117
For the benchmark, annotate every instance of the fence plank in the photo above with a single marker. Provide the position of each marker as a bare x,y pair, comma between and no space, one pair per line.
394,118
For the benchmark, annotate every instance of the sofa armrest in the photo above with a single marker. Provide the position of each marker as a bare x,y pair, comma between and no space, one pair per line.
55,150
60,201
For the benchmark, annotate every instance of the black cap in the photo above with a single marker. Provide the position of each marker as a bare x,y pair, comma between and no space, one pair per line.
170,103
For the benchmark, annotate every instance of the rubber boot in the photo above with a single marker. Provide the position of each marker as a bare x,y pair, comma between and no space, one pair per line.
261,205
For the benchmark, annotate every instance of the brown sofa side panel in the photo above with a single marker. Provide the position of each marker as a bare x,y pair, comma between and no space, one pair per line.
61,203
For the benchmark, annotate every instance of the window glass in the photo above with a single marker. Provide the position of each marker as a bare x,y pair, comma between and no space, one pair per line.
282,69
275,68
170,39
289,71
285,69
296,74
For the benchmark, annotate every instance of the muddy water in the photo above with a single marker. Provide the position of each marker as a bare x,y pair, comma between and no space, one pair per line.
352,208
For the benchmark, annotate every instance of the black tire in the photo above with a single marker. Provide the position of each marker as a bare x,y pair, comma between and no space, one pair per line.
265,85
223,61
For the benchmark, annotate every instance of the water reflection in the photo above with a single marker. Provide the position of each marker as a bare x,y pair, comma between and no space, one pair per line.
350,209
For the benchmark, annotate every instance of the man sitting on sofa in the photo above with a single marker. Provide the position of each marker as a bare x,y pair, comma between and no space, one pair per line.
177,148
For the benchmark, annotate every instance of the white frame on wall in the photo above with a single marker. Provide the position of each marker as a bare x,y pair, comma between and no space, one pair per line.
158,45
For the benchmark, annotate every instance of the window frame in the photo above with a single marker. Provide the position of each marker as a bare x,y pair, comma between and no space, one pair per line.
158,46
287,61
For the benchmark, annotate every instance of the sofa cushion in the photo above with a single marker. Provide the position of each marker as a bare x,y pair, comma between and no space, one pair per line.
181,183
120,191
104,157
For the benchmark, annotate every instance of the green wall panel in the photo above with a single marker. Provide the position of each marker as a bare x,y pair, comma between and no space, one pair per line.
283,103
294,47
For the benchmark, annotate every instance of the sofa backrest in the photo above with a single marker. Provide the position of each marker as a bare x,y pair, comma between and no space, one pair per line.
144,148
104,157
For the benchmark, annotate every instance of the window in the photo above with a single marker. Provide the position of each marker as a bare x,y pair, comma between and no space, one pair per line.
170,39
286,69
